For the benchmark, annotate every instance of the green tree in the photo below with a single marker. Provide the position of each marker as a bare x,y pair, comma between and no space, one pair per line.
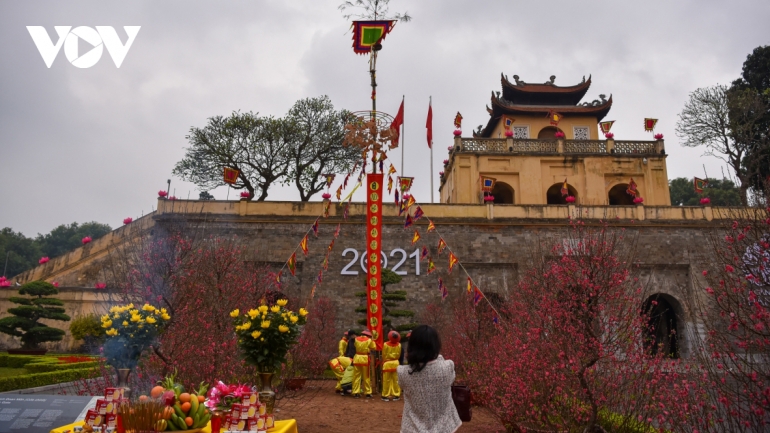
722,192
252,144
21,252
372,10
65,238
315,147
25,320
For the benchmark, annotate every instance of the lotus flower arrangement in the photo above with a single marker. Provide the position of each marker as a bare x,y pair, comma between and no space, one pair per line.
559,134
43,260
705,200
127,220
458,132
446,162
440,174
100,286
658,136
450,148
4,282
222,396
245,194
508,133
326,196
570,199
86,240
638,200
162,194
489,198
173,197
609,136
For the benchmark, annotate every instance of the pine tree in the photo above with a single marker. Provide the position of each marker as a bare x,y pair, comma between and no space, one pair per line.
25,320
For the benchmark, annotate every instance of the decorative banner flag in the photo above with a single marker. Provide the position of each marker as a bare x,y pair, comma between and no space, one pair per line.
395,130
418,213
329,248
345,183
431,226
402,208
320,276
329,179
312,292
565,188
554,117
458,120
391,170
390,183
339,193
649,124
231,175
415,237
452,261
346,211
374,190
429,124
408,222
441,245
337,231
303,245
508,123
431,266
405,183
495,319
278,278
367,34
381,163
442,289
477,296
327,205
606,126
470,285
631,190
292,264
315,227
423,253
396,196
699,184
409,202
326,263
487,183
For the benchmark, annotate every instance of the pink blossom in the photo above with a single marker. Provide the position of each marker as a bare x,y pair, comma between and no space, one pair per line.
729,268
86,240
705,273
705,200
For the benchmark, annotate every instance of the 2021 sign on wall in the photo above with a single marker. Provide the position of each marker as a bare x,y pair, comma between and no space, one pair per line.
398,253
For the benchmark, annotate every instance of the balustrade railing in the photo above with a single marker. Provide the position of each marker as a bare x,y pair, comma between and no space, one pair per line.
635,147
503,145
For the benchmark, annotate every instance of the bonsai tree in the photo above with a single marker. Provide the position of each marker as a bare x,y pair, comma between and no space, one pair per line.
389,300
25,320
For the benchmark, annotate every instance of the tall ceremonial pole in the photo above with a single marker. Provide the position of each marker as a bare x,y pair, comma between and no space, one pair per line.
402,139
429,125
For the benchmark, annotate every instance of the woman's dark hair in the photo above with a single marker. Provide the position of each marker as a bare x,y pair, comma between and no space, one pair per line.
424,346
350,352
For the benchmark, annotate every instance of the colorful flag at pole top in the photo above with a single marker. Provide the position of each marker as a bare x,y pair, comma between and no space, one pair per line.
331,245
477,296
405,183
699,184
458,120
631,190
329,179
423,253
391,170
339,193
429,125
395,129
418,213
303,245
315,227
327,205
408,222
452,261
367,34
292,264
415,237
431,226
649,124
337,231
441,245
565,188
431,266
470,285
409,202
487,183
231,175
606,125
390,184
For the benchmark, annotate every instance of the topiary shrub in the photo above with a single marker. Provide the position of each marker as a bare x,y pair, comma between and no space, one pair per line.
25,320
89,329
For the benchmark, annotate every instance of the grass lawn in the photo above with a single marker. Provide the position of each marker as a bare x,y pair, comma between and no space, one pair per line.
8,372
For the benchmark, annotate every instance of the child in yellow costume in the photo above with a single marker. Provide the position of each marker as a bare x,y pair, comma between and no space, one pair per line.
342,362
391,353
363,345
344,342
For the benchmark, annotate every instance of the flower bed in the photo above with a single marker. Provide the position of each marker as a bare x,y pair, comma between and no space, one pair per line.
41,379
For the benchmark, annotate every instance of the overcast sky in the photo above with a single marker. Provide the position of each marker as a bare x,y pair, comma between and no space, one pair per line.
97,144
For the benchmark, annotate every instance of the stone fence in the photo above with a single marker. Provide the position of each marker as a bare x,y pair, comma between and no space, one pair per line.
560,146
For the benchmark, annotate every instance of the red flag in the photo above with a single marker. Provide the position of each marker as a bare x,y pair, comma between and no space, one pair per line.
396,125
429,125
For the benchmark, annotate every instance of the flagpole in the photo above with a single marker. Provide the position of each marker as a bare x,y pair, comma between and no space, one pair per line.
430,104
402,140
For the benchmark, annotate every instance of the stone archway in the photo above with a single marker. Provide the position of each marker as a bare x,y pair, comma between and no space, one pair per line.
619,197
548,133
553,195
503,193
664,325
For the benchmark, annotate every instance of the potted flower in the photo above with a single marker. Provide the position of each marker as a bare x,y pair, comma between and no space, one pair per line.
508,133
638,200
659,136
705,201
458,132
570,199
609,136
245,195
559,135
265,335
162,194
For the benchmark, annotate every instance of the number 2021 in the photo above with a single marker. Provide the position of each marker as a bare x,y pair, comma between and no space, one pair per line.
363,261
